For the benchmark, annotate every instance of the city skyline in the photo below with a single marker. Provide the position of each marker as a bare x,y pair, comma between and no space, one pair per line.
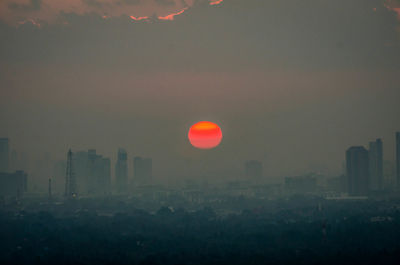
199,132
91,173
389,156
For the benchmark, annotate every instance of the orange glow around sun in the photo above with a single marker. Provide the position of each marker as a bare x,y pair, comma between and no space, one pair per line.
205,135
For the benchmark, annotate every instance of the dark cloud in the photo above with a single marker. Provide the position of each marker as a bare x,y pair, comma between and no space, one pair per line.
102,4
129,2
393,3
34,5
94,3
165,2
240,35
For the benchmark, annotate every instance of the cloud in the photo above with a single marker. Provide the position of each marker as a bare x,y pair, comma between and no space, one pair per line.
239,35
173,15
111,3
31,5
130,2
166,2
139,18
216,2
94,3
50,11
393,5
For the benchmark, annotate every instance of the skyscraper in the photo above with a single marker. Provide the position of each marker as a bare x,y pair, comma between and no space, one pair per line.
93,173
4,155
376,165
253,169
81,167
70,179
13,184
99,173
104,182
398,159
357,171
143,170
121,170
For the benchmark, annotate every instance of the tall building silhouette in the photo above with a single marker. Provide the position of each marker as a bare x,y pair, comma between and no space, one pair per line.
398,158
389,174
13,184
253,169
50,194
376,165
81,164
70,178
93,173
99,173
142,170
4,155
104,181
121,170
357,171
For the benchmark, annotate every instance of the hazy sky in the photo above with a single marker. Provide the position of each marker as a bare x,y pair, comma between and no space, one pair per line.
291,83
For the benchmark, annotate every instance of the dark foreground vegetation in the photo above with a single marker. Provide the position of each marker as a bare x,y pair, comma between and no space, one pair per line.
332,233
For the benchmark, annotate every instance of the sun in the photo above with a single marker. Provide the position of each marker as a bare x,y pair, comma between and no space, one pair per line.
205,135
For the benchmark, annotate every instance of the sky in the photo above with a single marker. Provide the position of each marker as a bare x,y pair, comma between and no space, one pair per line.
291,83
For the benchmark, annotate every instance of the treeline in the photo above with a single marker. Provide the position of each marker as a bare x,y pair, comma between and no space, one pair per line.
290,236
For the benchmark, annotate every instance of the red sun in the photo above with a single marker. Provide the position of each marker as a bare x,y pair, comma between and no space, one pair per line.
205,135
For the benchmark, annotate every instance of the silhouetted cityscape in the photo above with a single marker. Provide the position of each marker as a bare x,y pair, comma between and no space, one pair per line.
199,132
86,173
146,218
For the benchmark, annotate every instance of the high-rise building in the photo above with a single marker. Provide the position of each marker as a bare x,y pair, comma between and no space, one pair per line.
81,164
389,174
357,171
104,176
93,173
142,170
13,161
253,169
376,165
50,193
398,159
121,171
58,176
13,184
71,190
99,173
4,155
